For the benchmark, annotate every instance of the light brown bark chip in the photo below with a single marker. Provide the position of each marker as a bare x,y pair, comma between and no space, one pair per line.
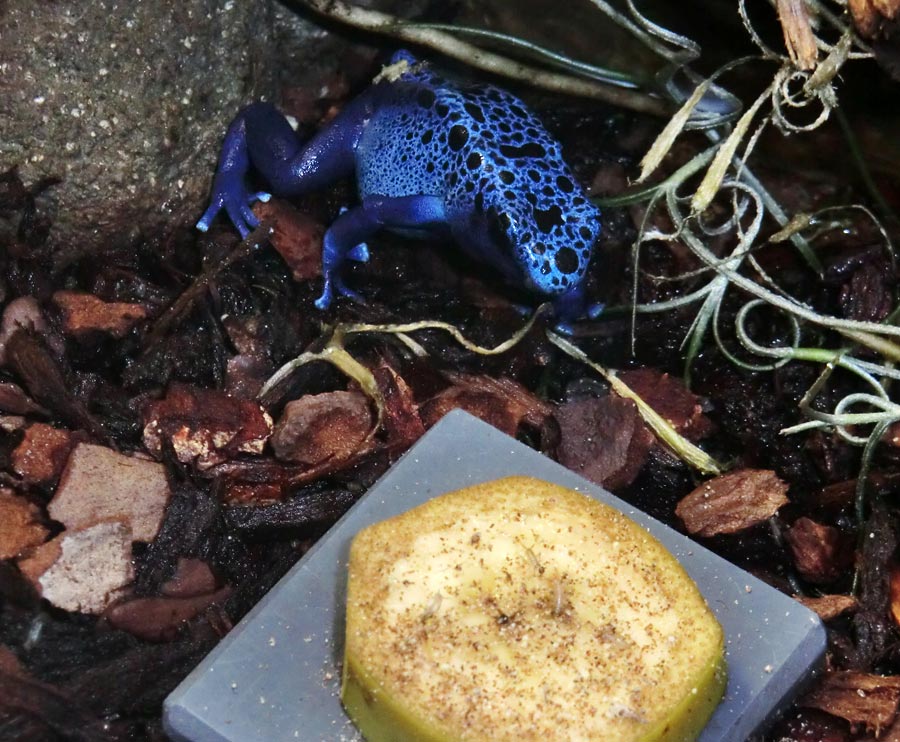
732,502
84,314
42,454
20,525
99,484
322,427
82,571
858,697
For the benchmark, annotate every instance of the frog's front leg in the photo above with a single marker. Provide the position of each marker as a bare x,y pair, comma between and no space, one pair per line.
358,224
260,138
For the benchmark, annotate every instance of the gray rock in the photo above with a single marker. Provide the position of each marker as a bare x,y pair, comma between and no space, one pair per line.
127,102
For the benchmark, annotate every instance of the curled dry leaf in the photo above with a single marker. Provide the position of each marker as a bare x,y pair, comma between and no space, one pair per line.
828,607
819,551
42,454
296,237
84,314
323,427
732,502
671,399
205,426
858,697
99,484
21,524
605,440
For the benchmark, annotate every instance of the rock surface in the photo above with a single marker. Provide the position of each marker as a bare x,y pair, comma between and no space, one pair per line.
127,103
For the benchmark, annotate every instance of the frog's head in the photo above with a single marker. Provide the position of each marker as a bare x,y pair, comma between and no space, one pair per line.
549,236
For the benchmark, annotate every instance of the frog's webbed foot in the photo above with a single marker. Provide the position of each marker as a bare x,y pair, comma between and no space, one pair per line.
571,306
345,238
231,195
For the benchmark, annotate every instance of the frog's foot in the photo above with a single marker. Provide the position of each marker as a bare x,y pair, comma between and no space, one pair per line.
334,283
360,253
231,195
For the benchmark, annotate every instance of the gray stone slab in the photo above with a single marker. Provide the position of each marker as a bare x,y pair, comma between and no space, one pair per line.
276,676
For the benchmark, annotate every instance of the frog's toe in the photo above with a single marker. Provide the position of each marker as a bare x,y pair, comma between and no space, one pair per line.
324,300
402,55
343,290
595,310
360,253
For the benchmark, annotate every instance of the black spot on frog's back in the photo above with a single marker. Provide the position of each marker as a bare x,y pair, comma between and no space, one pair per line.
528,149
547,219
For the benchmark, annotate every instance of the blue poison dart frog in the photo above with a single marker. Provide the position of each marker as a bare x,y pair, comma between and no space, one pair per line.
467,162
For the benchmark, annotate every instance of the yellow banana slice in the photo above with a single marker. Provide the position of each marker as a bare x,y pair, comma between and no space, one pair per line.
523,611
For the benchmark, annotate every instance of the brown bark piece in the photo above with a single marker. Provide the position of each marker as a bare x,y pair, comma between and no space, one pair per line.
798,35
858,697
82,571
40,457
502,403
486,406
401,422
204,426
671,399
868,15
99,484
818,550
14,401
192,577
84,314
296,237
20,525
322,427
828,607
158,619
604,440
732,502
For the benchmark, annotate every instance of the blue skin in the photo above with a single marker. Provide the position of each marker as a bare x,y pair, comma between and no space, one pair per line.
430,159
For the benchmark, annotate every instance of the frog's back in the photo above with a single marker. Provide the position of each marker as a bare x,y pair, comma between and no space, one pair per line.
481,150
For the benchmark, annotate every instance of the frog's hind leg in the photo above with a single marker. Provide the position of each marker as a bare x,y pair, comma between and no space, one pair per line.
261,138
358,224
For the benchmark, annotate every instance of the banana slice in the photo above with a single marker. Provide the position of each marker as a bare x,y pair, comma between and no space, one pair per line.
520,610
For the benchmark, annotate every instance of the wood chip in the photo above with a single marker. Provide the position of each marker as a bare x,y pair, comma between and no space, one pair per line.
99,484
205,427
503,402
671,399
322,427
159,619
296,237
798,35
40,457
828,607
400,421
84,314
820,553
82,571
869,15
605,440
21,525
858,697
732,502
